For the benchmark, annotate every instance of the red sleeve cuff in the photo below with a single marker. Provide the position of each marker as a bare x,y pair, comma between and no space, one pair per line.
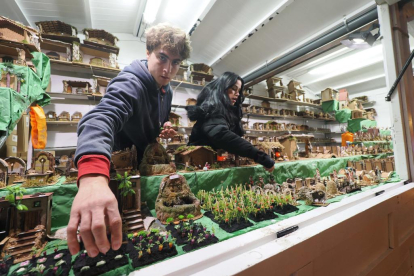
93,164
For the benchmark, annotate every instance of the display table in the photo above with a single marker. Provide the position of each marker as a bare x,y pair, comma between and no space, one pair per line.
63,194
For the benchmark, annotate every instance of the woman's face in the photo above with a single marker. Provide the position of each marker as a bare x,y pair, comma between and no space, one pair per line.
234,92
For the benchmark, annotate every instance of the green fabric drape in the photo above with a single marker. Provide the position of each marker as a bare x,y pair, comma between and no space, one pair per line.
358,124
42,64
343,115
14,103
330,106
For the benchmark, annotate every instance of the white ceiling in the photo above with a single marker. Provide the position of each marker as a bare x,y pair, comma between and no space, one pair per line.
225,24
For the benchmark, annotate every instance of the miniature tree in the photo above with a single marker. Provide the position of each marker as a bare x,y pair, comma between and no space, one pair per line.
125,187
13,193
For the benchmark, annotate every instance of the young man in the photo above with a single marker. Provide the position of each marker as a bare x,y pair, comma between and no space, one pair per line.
135,107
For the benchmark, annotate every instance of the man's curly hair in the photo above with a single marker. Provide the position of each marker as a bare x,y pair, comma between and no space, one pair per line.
168,37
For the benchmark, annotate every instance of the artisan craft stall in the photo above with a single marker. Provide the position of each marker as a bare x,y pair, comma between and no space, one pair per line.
317,100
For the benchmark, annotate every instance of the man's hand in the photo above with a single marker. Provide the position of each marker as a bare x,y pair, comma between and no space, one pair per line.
270,169
167,131
95,208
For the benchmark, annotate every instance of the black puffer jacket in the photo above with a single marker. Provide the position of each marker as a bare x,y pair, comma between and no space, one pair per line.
215,131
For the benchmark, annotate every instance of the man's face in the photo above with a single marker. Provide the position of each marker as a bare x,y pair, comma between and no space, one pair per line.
163,65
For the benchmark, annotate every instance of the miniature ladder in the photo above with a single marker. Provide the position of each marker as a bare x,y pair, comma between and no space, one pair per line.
132,220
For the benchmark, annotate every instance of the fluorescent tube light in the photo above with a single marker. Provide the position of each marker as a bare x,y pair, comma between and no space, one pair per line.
151,10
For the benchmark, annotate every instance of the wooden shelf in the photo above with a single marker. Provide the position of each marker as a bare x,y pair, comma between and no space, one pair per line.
61,123
290,102
184,84
56,149
287,131
263,98
284,117
81,70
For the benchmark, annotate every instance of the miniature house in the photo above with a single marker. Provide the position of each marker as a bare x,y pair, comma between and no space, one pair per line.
44,162
177,139
297,95
63,160
265,104
51,116
100,84
4,168
32,228
258,126
124,160
290,146
58,31
275,87
76,87
245,125
76,116
101,45
294,85
196,156
247,92
191,101
200,73
17,54
329,94
156,161
343,99
14,31
71,170
252,139
57,50
353,105
174,119
64,116
182,73
274,81
16,169
273,149
357,114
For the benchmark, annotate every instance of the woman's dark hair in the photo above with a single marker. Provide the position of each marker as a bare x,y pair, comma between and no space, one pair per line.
214,99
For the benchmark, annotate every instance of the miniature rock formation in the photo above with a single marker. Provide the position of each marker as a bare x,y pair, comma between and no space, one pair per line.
175,198
331,188
156,161
320,187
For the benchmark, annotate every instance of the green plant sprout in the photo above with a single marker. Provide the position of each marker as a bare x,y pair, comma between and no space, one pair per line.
125,185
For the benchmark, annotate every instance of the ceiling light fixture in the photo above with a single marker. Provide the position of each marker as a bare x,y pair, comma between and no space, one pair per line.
151,10
362,39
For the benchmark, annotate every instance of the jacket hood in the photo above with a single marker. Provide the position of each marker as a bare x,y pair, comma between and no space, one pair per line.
195,112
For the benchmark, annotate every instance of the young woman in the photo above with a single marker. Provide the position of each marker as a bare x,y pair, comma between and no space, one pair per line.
218,114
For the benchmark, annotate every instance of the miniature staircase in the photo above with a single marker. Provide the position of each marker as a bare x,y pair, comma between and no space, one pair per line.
24,243
132,220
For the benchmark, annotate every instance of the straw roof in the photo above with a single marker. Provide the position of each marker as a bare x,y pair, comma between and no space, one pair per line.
189,149
4,19
100,34
55,27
